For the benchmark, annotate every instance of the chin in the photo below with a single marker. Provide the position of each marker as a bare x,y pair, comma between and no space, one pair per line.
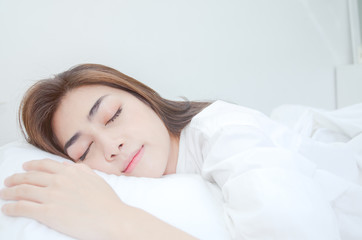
151,175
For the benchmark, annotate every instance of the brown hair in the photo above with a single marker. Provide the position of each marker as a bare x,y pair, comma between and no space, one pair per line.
42,100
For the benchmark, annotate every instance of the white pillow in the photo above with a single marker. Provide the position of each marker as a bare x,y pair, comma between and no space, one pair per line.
184,201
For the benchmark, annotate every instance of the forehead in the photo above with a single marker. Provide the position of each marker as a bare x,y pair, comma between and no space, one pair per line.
80,100
74,108
91,92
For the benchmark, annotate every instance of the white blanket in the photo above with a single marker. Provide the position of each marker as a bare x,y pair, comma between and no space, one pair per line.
338,135
194,206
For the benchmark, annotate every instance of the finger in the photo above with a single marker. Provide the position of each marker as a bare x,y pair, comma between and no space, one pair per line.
36,178
21,209
44,165
24,192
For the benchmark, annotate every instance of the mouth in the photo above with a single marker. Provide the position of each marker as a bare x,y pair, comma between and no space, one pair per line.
132,163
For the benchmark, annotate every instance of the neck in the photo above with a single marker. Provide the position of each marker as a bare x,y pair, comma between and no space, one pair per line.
173,156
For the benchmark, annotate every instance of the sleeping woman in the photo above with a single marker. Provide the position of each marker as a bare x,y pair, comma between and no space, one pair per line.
102,119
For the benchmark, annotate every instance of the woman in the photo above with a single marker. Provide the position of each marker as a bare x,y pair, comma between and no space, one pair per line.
102,119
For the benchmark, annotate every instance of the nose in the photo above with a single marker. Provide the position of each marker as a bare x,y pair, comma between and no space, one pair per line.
112,152
111,148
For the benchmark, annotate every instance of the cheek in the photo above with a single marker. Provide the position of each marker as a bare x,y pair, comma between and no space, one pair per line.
158,157
158,131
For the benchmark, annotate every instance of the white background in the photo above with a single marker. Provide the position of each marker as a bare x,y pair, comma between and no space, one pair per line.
258,53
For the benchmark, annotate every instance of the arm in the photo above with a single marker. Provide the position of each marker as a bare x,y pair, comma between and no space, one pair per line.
72,199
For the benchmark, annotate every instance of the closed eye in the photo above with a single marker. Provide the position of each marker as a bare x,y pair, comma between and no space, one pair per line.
118,112
85,153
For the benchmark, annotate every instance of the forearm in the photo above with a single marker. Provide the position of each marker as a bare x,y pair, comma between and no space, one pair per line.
134,223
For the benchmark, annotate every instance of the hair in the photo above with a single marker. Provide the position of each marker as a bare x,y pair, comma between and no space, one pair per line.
41,101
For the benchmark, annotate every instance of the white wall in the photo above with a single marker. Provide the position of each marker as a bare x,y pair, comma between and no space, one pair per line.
349,77
349,85
258,53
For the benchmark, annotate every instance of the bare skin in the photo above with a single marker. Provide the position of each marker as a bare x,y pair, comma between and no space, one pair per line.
104,128
71,198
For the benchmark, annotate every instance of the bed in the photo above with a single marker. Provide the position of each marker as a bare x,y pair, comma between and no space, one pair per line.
195,206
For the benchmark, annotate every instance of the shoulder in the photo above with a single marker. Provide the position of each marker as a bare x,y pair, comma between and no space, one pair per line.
220,114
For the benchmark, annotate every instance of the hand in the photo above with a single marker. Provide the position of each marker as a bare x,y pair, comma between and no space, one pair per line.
69,198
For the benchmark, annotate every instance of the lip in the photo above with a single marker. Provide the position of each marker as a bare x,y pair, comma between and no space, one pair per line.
133,161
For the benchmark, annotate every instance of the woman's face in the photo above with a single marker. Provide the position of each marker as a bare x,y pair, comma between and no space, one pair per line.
112,131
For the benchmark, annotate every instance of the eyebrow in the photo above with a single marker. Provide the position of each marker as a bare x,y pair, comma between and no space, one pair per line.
95,107
71,141
90,116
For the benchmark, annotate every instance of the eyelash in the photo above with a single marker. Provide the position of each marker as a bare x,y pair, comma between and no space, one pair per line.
114,116
85,153
109,121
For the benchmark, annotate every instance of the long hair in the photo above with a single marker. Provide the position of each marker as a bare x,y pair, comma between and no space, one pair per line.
41,101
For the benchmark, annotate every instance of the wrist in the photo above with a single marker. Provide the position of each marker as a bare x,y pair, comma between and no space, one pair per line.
128,222
119,223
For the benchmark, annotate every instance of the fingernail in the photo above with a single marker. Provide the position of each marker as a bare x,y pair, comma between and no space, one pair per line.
6,182
25,165
4,209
